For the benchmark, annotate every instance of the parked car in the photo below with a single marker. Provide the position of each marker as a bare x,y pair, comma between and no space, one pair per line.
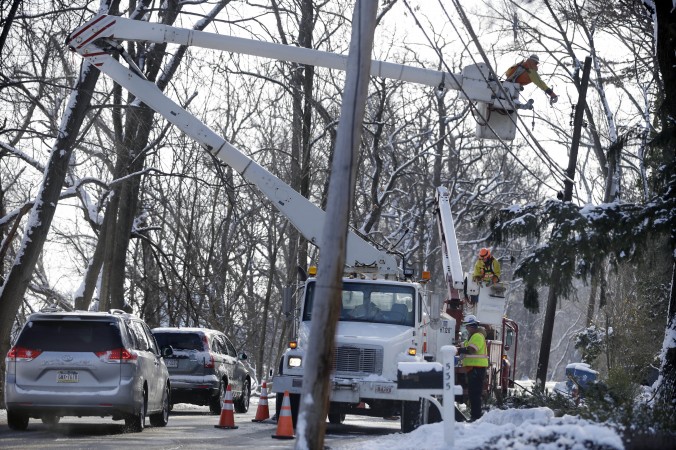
86,364
202,364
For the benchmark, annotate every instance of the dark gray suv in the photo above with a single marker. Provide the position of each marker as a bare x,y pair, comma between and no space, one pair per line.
202,364
86,364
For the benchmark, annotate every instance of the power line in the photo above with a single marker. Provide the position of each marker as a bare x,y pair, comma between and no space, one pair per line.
549,162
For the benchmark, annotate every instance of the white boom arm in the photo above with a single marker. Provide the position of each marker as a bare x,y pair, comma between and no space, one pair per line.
472,81
449,244
303,214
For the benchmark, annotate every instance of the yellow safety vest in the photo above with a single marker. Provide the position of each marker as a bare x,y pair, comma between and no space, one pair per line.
479,359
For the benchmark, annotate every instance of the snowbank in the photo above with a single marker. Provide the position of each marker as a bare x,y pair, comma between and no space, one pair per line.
522,429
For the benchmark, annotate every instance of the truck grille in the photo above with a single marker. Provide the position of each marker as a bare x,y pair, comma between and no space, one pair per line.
358,360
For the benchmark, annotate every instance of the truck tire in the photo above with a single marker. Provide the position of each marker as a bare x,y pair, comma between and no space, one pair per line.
433,414
295,407
410,416
336,418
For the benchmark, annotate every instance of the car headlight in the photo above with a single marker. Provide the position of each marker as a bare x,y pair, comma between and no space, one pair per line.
295,361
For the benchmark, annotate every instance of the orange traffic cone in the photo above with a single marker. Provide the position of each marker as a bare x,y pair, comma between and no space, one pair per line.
284,421
227,419
262,412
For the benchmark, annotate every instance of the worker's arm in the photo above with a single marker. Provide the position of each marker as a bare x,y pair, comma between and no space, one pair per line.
535,78
496,268
478,270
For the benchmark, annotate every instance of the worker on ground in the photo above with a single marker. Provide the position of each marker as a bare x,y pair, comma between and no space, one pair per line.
487,268
526,72
475,361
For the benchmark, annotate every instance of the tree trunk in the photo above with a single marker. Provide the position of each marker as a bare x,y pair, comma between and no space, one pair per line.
13,290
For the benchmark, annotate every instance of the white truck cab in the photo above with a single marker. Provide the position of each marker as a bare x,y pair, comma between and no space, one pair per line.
382,323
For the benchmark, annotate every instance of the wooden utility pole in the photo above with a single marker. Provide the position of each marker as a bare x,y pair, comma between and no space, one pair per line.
314,405
577,131
548,326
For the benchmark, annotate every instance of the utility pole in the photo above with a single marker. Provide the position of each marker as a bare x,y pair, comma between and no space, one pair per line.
327,300
548,326
577,131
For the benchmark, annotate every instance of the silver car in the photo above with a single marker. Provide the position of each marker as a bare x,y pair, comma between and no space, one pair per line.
202,364
86,364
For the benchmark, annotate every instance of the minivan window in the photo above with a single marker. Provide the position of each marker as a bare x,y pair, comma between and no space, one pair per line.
149,337
70,336
179,341
140,336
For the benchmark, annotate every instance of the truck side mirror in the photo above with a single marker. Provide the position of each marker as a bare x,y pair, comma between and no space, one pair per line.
509,337
287,303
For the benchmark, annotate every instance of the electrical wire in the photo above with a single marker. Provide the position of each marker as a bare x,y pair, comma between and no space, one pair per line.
502,142
475,39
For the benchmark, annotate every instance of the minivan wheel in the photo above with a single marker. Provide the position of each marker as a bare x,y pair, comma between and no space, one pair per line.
137,422
162,418
242,403
17,421
216,401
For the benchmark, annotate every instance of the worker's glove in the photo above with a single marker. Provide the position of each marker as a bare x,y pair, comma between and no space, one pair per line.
553,98
463,350
495,279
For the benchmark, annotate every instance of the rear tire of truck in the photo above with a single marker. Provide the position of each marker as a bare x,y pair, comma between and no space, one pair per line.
336,418
410,416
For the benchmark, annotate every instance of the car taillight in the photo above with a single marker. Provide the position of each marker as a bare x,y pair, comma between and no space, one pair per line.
22,354
209,363
121,355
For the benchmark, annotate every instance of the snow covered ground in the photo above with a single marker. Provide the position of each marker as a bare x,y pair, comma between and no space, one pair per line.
522,429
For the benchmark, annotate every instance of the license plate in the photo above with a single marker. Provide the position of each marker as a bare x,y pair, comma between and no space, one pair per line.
383,388
171,362
67,376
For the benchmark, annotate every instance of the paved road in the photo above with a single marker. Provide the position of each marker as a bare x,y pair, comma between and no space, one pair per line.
190,427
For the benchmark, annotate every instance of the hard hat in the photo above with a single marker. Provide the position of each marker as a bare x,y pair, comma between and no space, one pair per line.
470,321
484,253
535,58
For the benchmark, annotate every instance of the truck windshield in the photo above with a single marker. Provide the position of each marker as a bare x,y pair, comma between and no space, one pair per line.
371,302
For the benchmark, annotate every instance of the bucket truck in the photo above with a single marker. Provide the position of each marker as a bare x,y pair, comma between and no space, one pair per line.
386,315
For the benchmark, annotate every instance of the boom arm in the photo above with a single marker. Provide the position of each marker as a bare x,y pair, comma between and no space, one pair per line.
449,243
303,214
472,81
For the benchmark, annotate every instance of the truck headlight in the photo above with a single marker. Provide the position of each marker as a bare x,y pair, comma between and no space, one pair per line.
295,361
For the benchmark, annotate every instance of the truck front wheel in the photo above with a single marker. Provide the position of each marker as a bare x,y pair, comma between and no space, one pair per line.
410,416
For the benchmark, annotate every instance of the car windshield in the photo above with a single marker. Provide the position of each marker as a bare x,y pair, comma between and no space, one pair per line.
179,341
70,336
370,302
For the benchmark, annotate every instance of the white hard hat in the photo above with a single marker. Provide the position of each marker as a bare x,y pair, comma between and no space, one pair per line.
534,57
470,320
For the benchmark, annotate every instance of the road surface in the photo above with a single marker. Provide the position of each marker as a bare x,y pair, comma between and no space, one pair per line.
190,427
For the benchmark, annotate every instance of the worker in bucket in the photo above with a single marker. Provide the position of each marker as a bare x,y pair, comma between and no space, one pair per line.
526,72
474,355
486,268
